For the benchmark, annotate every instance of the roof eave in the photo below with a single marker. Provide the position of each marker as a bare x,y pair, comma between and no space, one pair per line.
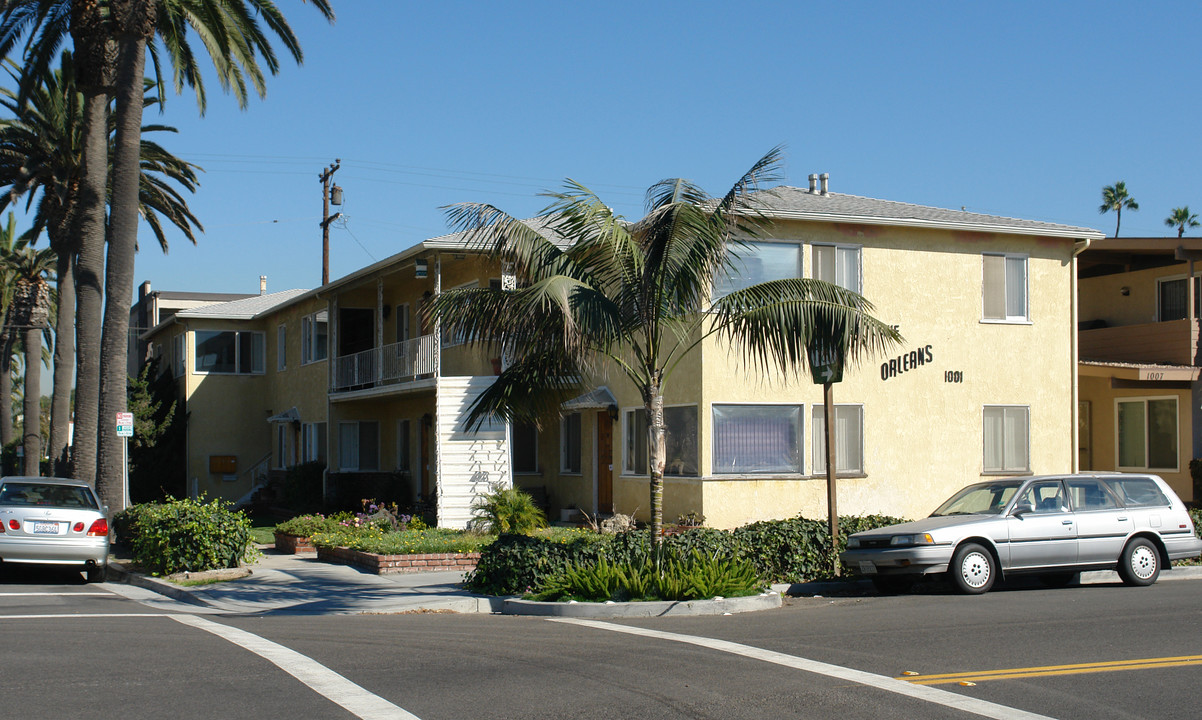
1074,233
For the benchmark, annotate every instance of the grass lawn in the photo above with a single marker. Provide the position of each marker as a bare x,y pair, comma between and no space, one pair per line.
263,526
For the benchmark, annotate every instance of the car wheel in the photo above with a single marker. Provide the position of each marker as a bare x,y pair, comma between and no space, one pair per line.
973,569
97,573
892,584
1058,579
1140,563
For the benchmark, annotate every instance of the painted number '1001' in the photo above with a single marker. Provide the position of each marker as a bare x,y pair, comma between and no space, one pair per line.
953,376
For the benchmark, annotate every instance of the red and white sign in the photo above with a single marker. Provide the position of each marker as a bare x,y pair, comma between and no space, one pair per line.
125,424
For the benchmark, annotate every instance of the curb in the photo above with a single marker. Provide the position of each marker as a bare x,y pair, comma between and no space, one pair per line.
120,573
715,606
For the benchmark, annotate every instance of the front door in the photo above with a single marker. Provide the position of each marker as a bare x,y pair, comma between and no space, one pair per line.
605,459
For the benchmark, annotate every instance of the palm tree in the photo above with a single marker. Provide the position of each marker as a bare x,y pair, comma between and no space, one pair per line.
10,245
636,298
29,313
1181,218
40,151
1115,198
43,25
236,44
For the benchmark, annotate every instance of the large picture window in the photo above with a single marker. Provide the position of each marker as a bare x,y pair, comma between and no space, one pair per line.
838,264
314,331
359,445
1007,438
1005,288
849,439
757,439
758,262
230,352
680,441
1147,433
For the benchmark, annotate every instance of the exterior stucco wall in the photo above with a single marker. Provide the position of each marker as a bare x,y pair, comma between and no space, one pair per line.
1102,297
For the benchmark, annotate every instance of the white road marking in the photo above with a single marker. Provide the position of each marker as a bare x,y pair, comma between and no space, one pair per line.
881,682
50,594
320,678
79,615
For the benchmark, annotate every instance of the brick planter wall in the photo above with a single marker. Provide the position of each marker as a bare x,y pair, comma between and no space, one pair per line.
384,564
292,544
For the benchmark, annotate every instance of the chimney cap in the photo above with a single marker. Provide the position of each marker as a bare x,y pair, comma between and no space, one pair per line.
813,182
825,178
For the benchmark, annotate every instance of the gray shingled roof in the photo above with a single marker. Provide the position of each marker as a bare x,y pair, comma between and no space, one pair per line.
245,309
793,203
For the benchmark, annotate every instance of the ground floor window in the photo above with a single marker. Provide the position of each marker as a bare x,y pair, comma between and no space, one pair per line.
283,453
525,447
403,441
313,442
569,443
757,439
680,441
359,445
1147,433
849,439
1007,438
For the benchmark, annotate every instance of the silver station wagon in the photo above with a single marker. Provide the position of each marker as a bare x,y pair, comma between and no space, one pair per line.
1054,526
53,521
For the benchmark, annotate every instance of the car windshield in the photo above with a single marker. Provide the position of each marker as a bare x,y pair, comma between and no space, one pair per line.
988,498
46,494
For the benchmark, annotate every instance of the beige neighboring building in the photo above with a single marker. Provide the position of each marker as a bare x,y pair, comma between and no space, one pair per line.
1140,396
984,386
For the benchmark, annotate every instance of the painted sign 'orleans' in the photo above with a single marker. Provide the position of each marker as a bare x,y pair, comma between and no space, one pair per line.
908,361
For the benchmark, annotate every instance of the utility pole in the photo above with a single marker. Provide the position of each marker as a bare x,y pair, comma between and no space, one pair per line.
326,218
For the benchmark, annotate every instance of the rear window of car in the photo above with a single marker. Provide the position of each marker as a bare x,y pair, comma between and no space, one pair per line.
1138,492
62,496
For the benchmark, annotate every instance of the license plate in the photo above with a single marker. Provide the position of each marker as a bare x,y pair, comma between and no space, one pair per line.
45,528
867,567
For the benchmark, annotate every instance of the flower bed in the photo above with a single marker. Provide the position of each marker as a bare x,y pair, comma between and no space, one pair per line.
292,544
384,564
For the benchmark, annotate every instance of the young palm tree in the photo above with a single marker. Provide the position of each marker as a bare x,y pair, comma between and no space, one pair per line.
595,292
1115,198
1181,218
236,43
40,159
29,314
10,245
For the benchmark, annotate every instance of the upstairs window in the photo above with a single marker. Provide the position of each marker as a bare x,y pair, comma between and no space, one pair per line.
179,357
1172,299
281,348
838,265
1005,288
230,352
314,332
758,262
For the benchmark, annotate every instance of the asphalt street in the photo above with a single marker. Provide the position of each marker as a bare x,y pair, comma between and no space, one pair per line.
73,650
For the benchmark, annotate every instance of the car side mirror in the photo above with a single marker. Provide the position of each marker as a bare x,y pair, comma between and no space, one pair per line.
1022,509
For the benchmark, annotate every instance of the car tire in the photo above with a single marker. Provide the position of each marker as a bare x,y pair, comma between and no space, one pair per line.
973,570
1139,564
1059,579
97,573
892,584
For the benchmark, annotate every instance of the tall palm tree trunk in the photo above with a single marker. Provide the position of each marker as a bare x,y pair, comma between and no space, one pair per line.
31,434
134,20
64,365
89,286
656,453
7,342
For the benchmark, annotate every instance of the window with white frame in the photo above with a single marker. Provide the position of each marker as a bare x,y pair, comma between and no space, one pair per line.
524,447
757,262
838,265
314,333
757,439
849,439
283,448
230,352
403,444
313,442
1005,288
569,443
1007,438
1172,299
281,348
359,445
680,441
1146,430
179,357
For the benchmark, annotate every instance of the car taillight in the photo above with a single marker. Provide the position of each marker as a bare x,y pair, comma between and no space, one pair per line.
14,524
99,527
78,527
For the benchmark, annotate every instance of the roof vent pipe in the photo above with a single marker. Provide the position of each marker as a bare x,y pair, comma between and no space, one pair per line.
813,182
262,284
825,178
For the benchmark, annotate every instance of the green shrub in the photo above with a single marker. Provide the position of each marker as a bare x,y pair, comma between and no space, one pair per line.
303,486
187,535
507,510
671,575
306,525
516,564
373,539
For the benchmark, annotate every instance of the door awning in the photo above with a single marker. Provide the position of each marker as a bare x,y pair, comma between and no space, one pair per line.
598,399
291,415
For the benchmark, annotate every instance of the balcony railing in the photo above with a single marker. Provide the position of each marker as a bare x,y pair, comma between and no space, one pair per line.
1174,342
395,363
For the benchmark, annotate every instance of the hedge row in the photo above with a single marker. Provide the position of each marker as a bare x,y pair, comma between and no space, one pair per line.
794,550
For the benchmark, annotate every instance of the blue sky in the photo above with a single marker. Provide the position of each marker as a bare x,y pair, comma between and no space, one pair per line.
1024,109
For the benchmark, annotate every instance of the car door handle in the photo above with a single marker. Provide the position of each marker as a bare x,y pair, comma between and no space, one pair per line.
1122,519
1066,522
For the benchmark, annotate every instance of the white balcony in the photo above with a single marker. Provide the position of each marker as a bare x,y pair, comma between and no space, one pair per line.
391,364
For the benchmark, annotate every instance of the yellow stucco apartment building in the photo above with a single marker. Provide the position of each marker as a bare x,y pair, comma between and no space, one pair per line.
984,385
